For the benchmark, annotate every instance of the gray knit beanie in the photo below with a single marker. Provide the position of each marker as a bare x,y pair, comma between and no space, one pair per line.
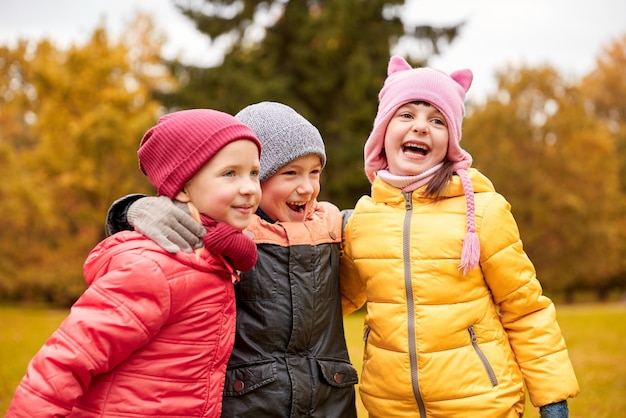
284,134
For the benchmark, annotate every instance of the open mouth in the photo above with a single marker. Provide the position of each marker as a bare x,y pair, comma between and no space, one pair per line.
414,148
297,207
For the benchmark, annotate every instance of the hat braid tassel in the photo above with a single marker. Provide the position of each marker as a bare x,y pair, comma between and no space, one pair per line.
470,255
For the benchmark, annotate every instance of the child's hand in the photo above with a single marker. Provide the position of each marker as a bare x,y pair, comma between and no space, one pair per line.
166,222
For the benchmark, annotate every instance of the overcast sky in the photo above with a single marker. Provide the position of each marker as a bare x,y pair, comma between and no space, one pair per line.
567,34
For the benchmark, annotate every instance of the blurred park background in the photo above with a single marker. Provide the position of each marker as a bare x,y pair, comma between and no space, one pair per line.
71,117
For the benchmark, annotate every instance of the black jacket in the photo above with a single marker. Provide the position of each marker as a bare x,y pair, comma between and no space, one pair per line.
290,357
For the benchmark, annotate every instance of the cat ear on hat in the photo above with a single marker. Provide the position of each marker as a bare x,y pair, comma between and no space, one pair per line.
463,77
396,64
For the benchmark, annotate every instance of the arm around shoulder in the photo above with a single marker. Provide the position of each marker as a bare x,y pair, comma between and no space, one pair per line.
165,221
117,220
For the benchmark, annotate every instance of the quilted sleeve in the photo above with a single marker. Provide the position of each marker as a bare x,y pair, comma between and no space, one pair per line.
120,312
352,286
528,316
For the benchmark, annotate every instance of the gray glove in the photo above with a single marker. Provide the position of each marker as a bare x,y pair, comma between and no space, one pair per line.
166,222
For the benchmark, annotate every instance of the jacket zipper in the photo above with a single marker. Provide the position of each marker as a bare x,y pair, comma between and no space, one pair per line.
482,356
410,306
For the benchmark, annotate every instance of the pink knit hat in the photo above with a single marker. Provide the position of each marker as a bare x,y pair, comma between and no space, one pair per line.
172,151
447,93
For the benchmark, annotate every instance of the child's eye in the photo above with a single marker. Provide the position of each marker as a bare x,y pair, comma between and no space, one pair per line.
316,171
406,116
230,173
439,121
254,173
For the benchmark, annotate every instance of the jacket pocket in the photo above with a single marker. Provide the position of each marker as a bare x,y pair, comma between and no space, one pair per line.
483,358
247,377
338,373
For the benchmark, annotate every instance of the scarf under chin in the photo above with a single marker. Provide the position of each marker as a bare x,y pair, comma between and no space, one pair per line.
225,239
408,183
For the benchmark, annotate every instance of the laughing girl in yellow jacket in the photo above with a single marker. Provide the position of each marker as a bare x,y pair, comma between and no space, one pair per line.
456,321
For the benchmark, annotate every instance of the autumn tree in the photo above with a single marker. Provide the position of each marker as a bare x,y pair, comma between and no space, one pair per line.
556,165
326,58
71,123
604,93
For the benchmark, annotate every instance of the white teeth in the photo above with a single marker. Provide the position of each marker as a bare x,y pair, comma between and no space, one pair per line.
415,147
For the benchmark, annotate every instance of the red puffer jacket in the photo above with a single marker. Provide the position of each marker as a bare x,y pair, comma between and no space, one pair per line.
151,336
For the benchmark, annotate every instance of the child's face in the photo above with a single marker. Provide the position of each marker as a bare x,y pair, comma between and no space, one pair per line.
227,187
290,193
416,139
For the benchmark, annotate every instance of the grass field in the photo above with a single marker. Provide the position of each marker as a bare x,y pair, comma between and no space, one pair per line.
595,334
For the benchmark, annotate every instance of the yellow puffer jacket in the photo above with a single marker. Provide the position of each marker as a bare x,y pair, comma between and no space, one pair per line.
438,343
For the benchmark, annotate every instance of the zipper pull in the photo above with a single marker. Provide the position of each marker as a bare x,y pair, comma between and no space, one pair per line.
472,334
408,203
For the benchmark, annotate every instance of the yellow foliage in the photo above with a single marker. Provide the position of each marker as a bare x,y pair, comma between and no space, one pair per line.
71,124
557,165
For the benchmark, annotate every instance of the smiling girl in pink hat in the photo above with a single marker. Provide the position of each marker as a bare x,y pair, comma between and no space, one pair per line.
456,321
